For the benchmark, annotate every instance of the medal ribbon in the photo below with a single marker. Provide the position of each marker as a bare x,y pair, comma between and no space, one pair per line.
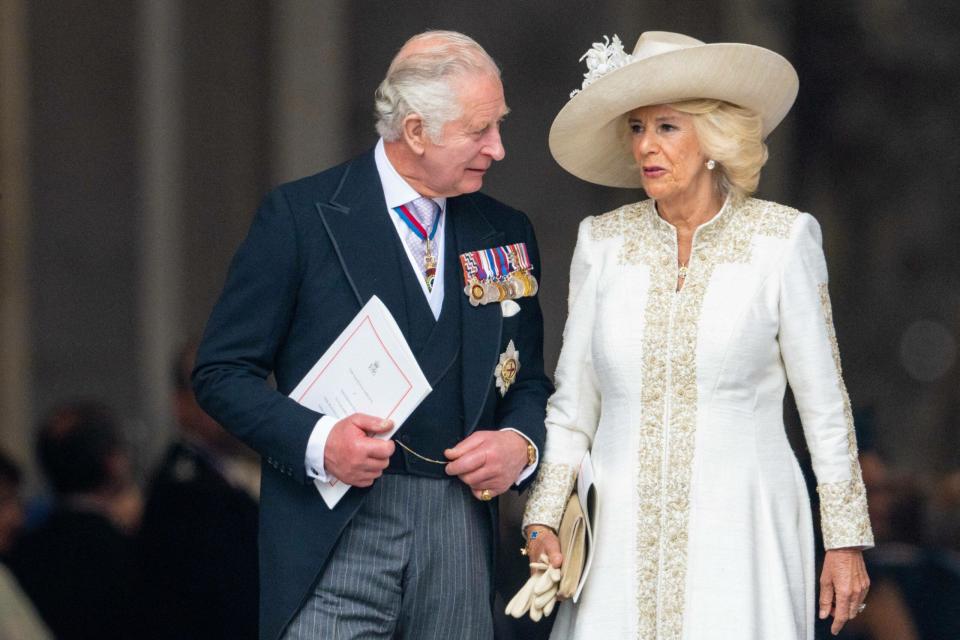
469,267
414,224
495,262
519,252
483,268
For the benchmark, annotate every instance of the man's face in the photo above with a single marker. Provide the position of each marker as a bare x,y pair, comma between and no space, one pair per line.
468,145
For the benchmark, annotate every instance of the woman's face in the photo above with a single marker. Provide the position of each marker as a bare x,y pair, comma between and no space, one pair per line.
667,151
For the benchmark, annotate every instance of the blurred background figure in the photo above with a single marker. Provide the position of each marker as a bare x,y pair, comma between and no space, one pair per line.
943,516
915,591
198,541
77,565
18,618
11,505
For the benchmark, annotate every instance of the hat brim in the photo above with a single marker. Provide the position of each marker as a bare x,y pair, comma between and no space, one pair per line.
589,137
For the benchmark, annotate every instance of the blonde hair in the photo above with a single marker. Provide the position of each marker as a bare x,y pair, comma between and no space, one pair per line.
732,136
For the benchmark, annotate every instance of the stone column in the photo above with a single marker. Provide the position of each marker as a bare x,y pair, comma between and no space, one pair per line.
309,116
15,406
160,138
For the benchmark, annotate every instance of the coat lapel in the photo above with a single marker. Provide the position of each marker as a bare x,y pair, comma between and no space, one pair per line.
482,325
364,238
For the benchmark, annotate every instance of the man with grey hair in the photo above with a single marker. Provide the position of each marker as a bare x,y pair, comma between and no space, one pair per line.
408,551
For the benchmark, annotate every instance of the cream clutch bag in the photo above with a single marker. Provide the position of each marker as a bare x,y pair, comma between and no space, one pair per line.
573,546
539,594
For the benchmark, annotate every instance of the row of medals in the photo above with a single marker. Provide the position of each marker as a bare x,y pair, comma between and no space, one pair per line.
517,284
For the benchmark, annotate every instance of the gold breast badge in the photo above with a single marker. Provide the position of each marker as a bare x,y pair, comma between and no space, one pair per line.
506,371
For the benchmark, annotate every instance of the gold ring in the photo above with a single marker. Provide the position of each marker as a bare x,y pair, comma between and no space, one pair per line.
486,495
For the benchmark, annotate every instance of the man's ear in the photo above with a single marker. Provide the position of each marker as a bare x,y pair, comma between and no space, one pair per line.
414,133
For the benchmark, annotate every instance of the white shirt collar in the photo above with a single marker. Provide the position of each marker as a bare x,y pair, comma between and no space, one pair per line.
396,190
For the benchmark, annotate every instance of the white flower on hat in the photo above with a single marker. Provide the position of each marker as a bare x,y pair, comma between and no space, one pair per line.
602,58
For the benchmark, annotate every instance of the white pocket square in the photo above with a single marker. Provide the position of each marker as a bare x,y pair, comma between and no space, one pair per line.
509,308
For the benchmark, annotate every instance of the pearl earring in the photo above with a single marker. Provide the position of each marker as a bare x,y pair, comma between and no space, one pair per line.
711,164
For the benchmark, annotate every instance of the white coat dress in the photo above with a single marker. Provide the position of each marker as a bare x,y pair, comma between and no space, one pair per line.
704,528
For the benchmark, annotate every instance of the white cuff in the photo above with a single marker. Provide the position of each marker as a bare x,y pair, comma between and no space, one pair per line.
530,468
316,446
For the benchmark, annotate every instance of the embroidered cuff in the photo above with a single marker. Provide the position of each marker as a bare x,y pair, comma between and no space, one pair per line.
549,494
843,514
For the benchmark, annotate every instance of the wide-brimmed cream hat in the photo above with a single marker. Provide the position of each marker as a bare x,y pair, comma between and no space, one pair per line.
590,138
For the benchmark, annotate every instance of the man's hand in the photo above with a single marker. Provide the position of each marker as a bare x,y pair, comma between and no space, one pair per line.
352,456
488,460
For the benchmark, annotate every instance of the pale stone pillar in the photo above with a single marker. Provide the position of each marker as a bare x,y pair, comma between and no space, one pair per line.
310,71
160,130
15,376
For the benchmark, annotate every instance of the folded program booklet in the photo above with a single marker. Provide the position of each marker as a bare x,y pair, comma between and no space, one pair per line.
368,369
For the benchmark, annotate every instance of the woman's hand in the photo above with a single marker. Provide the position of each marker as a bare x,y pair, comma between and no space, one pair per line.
843,586
545,542
539,594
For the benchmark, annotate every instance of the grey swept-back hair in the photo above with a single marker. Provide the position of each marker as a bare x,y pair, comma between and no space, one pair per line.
423,82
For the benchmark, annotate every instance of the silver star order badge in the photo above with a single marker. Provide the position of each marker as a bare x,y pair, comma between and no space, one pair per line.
507,369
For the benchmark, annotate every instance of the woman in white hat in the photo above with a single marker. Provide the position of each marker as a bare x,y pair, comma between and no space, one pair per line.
688,315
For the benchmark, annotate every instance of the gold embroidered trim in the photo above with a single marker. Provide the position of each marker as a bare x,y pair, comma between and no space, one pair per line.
611,224
655,547
549,494
844,518
643,231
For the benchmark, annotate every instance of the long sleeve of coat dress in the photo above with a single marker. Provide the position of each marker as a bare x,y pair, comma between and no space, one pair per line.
808,345
574,410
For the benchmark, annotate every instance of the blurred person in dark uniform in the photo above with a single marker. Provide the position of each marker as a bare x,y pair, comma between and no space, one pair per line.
943,514
11,506
198,541
18,618
915,593
78,565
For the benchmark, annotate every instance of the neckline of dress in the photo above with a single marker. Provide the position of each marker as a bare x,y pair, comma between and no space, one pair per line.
668,232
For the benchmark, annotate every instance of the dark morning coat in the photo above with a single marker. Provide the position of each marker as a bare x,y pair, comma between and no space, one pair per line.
317,250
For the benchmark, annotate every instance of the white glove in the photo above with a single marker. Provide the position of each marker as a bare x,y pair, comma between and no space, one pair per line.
539,594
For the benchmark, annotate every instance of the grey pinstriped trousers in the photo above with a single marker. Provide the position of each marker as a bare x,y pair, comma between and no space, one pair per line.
413,564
